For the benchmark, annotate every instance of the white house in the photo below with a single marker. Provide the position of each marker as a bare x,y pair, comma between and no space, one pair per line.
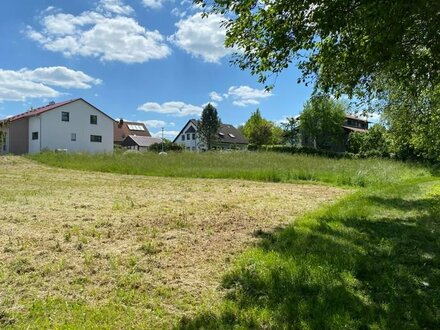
228,137
73,125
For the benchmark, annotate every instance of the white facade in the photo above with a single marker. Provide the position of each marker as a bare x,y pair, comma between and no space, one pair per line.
189,140
48,130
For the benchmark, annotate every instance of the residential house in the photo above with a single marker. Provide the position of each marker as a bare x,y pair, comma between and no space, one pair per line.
74,125
122,129
140,143
228,137
350,125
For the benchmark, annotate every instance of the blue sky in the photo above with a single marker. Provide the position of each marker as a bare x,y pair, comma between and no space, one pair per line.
155,61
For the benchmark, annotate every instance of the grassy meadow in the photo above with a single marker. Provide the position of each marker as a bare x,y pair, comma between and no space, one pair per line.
100,250
257,166
165,245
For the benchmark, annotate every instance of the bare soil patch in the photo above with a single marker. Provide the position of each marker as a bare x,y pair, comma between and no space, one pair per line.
158,246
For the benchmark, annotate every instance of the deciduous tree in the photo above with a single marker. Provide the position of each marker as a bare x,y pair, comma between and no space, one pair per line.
343,46
291,134
258,130
321,121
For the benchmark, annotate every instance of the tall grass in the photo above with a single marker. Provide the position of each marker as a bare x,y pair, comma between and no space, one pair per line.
261,166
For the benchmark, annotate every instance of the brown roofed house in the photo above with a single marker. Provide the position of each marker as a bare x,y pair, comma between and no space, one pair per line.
123,129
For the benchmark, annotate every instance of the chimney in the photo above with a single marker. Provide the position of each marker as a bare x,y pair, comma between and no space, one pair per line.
121,122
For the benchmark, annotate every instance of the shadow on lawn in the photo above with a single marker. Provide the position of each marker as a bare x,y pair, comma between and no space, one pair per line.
353,267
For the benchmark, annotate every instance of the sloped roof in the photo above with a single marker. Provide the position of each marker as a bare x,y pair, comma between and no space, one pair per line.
120,133
231,135
141,141
226,133
354,129
356,118
48,107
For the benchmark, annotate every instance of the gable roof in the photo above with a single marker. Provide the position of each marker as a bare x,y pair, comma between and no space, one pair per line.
141,141
231,135
226,133
120,133
48,107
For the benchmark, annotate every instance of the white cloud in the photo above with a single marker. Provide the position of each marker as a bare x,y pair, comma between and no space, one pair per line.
179,13
23,84
202,37
115,6
158,123
244,95
108,36
166,134
173,108
216,97
153,4
60,76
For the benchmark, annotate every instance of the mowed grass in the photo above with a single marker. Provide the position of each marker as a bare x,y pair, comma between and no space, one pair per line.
263,166
372,261
99,250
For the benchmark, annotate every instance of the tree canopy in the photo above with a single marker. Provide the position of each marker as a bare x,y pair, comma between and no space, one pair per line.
291,131
208,126
343,46
414,122
321,121
258,130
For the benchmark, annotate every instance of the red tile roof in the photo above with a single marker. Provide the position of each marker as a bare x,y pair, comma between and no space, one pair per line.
120,132
40,110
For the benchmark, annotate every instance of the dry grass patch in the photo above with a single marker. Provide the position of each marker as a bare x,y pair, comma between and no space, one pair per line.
153,248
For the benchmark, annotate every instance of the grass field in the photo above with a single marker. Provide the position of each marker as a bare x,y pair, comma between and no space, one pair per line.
270,167
165,248
371,261
100,250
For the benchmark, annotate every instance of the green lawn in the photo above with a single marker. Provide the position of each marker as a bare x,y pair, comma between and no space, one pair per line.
372,261
264,166
369,261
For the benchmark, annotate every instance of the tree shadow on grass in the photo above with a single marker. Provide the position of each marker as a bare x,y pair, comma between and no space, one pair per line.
349,268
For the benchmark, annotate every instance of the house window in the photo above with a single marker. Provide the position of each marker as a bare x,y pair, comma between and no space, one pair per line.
194,136
188,136
64,116
93,119
95,138
73,137
183,137
34,135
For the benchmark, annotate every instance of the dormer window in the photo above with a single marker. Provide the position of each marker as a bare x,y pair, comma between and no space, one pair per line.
231,135
222,135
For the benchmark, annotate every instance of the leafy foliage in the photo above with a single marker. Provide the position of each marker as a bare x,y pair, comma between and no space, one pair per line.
258,130
277,134
375,142
321,121
343,46
414,122
208,126
291,134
